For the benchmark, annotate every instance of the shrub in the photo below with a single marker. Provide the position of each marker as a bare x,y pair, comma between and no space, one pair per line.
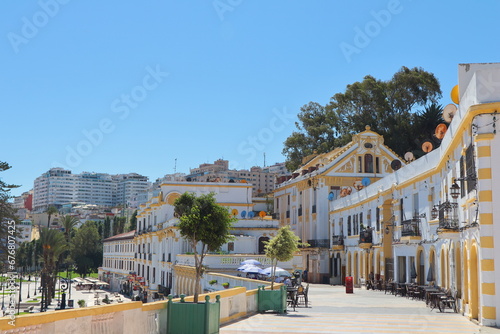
212,282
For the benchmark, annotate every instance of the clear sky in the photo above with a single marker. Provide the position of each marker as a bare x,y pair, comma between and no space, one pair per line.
149,86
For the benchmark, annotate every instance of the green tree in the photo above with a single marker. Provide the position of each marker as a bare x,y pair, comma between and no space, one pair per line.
7,214
282,248
53,246
388,107
107,228
118,225
86,249
133,222
51,210
202,222
69,223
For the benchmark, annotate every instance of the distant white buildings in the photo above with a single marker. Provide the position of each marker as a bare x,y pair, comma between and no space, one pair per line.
59,186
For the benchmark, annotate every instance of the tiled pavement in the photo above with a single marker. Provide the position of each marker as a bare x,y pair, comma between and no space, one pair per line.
333,311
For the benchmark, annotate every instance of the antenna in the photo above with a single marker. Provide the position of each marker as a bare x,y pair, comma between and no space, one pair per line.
449,112
175,165
264,159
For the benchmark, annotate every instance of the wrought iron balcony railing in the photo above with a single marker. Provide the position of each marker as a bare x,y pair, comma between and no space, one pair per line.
319,243
337,240
448,217
365,236
410,228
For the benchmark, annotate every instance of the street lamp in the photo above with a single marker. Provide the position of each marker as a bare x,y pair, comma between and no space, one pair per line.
455,190
434,212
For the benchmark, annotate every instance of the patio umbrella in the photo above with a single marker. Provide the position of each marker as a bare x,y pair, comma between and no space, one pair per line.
430,274
279,272
251,261
413,272
250,269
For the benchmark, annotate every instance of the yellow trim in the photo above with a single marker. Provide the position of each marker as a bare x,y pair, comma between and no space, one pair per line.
486,218
489,312
484,173
487,242
484,136
208,184
411,238
486,196
488,288
483,151
488,265
473,111
26,320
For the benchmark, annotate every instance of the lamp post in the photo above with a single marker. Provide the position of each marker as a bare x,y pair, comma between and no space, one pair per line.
455,190
35,284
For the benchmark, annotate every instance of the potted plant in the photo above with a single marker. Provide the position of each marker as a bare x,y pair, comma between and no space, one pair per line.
206,226
212,282
81,303
225,285
282,247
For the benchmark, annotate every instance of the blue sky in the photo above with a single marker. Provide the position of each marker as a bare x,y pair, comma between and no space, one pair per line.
129,86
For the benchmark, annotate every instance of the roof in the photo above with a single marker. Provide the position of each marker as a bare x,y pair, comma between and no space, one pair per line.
121,236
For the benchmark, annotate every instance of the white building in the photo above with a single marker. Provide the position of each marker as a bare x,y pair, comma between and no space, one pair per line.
118,259
59,186
159,242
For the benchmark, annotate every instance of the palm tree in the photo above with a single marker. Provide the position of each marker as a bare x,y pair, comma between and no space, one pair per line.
51,210
69,223
53,245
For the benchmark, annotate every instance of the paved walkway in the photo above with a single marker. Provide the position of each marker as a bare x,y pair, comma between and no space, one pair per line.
365,311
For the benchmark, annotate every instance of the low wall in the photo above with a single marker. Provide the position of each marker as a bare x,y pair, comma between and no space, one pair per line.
131,317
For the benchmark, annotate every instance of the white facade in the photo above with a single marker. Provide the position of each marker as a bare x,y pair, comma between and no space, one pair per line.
118,259
159,243
59,186
432,221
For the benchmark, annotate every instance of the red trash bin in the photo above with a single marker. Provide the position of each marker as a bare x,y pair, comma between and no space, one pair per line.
348,284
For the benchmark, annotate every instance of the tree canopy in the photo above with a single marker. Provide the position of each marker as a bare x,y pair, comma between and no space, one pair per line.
204,222
388,107
282,247
86,249
6,214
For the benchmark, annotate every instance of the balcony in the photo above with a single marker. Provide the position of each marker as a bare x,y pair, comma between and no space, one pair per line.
319,243
448,219
410,228
365,238
338,240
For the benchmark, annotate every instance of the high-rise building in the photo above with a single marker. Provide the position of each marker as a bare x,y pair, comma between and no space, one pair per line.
59,186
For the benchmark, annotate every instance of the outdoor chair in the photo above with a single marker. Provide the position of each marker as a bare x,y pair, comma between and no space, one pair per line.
449,300
302,295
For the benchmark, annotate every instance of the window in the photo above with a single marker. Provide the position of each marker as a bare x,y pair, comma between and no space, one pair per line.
360,164
349,225
230,247
377,165
368,163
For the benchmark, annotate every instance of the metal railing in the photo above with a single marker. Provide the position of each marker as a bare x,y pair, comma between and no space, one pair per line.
410,228
365,236
448,216
320,243
338,240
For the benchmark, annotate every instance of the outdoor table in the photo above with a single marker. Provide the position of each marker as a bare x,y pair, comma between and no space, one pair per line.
291,296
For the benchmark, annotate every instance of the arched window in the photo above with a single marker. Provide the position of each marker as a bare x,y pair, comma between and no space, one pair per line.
368,163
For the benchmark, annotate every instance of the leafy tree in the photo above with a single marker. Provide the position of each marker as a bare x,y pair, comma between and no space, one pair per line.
282,248
51,210
7,213
387,106
86,250
118,225
107,228
133,222
202,221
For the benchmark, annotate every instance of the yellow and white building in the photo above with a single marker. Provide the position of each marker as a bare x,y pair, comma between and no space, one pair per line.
158,241
433,220
303,200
